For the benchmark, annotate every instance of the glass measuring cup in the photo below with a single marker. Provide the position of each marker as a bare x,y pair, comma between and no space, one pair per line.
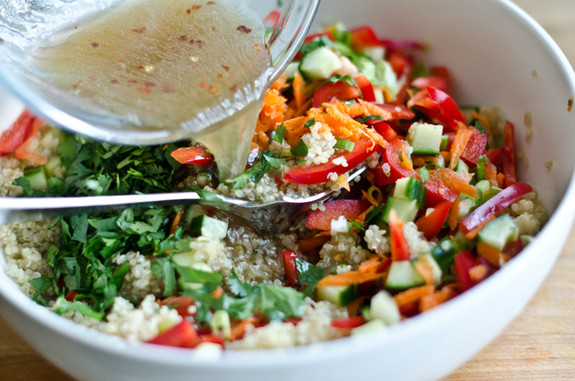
23,22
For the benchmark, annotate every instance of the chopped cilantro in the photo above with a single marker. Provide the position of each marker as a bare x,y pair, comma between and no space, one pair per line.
300,149
364,119
278,134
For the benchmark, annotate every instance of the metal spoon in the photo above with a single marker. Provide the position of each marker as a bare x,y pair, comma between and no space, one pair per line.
267,218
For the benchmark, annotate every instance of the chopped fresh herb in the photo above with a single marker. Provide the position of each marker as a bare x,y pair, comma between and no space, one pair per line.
479,126
344,144
279,133
300,149
267,161
309,123
308,275
355,224
364,119
316,43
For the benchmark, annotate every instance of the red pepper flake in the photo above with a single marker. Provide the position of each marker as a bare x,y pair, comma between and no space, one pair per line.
168,89
195,7
144,90
183,37
95,44
200,43
75,85
132,81
139,30
213,29
226,68
234,88
92,79
203,85
244,29
188,11
213,89
149,84
114,81
256,47
211,2
220,75
570,104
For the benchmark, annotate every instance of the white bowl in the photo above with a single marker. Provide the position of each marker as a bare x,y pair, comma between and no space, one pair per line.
497,56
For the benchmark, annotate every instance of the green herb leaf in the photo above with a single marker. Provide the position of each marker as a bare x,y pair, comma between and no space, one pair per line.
308,275
344,144
300,149
364,119
279,133
309,123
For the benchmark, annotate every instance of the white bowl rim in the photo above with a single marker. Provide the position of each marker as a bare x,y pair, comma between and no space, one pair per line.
565,211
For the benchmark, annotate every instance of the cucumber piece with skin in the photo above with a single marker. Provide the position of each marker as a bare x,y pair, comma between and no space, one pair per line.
425,138
410,188
37,178
319,63
383,307
406,209
208,227
402,275
499,232
339,295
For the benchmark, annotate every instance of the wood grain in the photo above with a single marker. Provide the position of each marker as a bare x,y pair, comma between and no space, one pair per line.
538,345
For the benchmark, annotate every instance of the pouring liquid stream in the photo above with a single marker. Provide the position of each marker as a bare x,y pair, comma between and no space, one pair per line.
199,67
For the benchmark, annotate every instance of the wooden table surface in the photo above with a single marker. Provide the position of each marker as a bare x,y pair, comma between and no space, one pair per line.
538,345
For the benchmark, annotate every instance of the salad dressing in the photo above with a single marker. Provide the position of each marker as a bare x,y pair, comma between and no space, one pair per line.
197,66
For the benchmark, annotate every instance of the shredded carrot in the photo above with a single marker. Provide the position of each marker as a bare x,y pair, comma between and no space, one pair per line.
298,89
294,129
490,254
218,292
372,265
425,269
239,330
491,174
459,182
413,295
427,302
478,272
312,243
350,277
368,197
446,155
177,220
405,159
460,141
484,122
453,217
280,84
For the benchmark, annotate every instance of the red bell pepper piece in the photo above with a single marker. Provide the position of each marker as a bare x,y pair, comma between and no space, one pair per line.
396,111
365,87
181,304
431,224
193,155
495,154
401,64
462,263
437,192
19,131
317,174
401,45
438,105
393,155
290,268
348,323
385,130
494,205
182,335
399,246
350,209
362,37
509,165
439,79
476,147
339,90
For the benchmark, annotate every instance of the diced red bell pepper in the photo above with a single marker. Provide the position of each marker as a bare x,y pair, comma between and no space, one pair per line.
362,37
399,246
393,155
439,79
462,263
212,338
495,154
437,192
494,205
366,88
396,111
385,130
182,335
431,224
509,164
348,323
350,209
400,64
476,147
181,304
14,137
438,105
317,174
290,268
193,155
339,90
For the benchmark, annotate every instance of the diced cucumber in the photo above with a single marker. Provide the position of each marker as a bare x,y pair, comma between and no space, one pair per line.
291,69
383,307
379,96
461,166
319,63
410,188
444,142
208,227
386,77
54,163
425,138
402,275
338,295
220,324
436,270
369,327
406,209
37,178
466,205
367,67
499,232
444,252
376,52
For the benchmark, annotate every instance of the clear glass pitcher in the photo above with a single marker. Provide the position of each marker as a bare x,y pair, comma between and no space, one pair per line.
23,22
